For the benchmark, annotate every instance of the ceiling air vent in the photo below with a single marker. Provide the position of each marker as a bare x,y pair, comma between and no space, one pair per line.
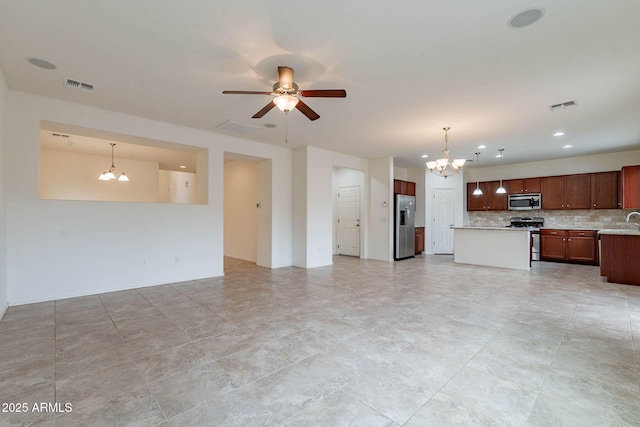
236,127
77,84
563,105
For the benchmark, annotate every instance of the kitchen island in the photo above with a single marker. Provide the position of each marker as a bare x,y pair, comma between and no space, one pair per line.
502,247
620,255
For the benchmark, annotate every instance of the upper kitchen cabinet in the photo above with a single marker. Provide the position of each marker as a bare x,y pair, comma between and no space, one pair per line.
489,200
604,190
522,186
566,191
406,188
631,187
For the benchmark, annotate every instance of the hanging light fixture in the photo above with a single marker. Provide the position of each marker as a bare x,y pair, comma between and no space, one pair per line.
445,167
501,189
477,191
110,174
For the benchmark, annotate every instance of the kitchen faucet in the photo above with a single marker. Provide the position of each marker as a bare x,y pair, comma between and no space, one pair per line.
628,218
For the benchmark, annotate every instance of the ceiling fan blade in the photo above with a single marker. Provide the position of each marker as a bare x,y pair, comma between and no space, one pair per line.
244,92
326,93
285,77
264,111
307,111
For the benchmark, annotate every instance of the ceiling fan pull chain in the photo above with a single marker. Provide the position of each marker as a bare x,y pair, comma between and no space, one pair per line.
286,128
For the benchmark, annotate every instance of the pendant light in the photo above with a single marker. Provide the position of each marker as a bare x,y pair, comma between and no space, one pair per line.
501,189
477,191
110,175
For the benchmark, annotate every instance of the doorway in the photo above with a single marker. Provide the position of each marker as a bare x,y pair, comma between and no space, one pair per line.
247,209
443,220
349,220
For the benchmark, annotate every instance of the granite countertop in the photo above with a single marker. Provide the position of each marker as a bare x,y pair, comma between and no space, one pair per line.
620,231
491,228
569,228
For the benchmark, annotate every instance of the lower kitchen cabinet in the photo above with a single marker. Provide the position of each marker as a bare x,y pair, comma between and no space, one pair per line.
578,246
419,240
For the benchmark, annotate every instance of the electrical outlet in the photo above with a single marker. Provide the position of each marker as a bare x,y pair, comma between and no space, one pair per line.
607,219
143,262
176,259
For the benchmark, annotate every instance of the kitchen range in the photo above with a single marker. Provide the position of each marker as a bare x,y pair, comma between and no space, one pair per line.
533,224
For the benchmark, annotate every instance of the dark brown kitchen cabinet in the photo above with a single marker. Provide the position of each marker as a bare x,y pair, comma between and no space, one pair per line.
488,200
406,188
578,246
477,203
566,191
522,186
604,190
553,245
631,187
419,240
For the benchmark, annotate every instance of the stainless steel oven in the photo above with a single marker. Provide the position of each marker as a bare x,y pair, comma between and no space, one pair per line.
533,224
525,202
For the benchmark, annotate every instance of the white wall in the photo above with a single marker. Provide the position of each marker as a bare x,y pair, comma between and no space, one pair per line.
3,191
176,187
344,177
74,176
61,249
564,166
380,229
400,173
313,206
417,175
240,210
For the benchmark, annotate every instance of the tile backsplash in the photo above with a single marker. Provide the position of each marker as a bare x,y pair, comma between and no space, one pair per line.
597,219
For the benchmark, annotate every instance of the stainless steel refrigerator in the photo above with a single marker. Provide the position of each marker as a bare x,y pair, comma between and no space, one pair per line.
404,230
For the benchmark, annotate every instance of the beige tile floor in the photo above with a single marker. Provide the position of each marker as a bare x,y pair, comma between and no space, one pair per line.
421,342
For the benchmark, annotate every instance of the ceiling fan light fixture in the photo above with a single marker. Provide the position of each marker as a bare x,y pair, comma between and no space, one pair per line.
285,102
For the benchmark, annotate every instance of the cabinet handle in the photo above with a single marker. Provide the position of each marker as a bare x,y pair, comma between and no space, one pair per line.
594,205
568,240
562,206
567,205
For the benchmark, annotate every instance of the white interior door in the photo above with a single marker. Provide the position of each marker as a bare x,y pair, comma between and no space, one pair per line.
349,220
443,217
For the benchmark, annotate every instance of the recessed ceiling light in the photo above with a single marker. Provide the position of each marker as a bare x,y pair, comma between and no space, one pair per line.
526,18
558,134
567,146
41,63
183,167
482,146
424,156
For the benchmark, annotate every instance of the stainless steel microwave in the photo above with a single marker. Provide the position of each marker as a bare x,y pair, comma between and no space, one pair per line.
525,202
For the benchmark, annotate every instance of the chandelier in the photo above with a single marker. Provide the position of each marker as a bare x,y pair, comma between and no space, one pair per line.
110,174
445,167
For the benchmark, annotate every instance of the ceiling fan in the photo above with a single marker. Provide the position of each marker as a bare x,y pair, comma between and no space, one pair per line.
287,94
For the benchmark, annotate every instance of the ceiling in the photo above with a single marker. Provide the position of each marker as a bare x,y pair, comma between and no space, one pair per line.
409,68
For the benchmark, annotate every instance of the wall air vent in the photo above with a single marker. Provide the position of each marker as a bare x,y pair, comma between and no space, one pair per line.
236,127
59,135
563,105
77,84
